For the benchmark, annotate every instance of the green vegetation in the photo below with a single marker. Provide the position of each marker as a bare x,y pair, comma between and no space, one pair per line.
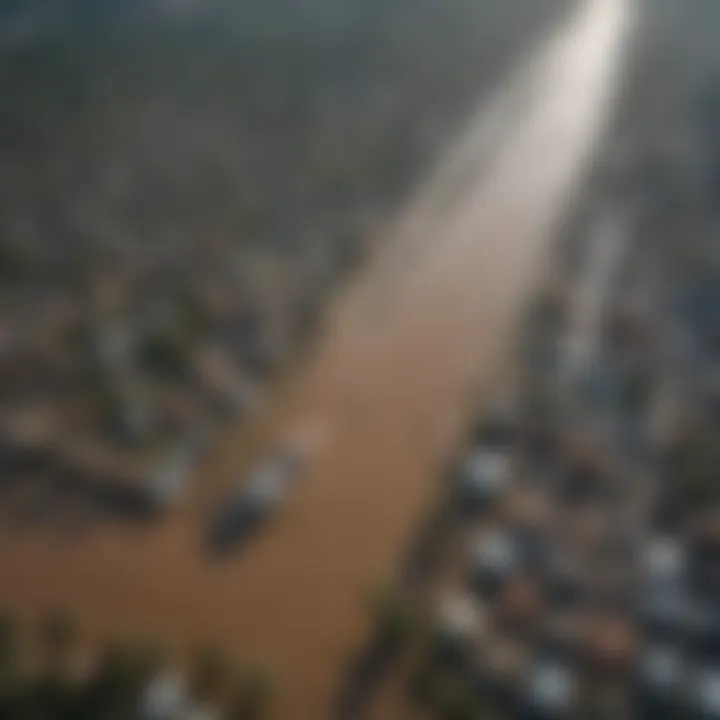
8,651
166,354
444,694
112,690
692,470
209,674
457,702
120,677
58,636
424,682
13,262
253,695
395,617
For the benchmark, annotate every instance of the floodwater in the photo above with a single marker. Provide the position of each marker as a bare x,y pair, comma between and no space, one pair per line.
418,337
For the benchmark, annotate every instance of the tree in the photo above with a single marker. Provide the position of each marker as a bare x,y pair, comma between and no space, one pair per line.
394,617
50,696
424,680
692,469
166,353
8,649
209,673
59,639
122,674
457,701
8,666
253,695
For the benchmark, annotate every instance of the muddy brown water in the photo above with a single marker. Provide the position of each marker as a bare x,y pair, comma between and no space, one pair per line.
391,385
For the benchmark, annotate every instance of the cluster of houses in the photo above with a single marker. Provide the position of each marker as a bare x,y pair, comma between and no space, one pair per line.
168,697
589,584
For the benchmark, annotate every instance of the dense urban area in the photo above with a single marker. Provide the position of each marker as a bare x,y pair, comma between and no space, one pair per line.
181,191
176,215
571,568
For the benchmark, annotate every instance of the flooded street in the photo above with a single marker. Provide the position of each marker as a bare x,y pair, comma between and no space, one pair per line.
424,331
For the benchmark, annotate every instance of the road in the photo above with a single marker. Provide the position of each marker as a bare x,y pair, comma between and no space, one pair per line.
427,326
606,251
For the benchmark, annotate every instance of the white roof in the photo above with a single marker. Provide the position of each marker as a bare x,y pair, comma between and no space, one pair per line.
264,490
274,469
165,698
486,470
269,471
172,477
707,692
201,712
665,559
662,667
494,551
671,605
307,439
552,687
460,616
503,407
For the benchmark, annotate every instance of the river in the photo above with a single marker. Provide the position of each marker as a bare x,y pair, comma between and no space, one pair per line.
410,345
